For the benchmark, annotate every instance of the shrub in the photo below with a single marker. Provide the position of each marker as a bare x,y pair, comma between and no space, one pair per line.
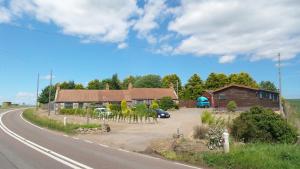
115,107
154,105
200,132
124,106
166,103
262,125
231,106
207,117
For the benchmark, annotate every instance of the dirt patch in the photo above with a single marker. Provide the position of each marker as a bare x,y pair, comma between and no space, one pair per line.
137,137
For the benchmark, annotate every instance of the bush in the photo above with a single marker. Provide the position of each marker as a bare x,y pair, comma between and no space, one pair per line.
154,105
231,106
262,125
200,132
115,107
207,117
80,112
166,103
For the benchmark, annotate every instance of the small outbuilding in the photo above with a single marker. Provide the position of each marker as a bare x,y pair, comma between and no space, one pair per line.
243,96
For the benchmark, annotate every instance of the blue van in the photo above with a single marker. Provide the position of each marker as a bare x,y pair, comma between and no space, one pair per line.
203,102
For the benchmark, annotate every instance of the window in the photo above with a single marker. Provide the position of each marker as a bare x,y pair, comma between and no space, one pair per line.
222,97
260,95
80,105
270,96
69,105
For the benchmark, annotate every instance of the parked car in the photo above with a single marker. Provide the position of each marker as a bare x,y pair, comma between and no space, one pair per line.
162,114
203,102
102,112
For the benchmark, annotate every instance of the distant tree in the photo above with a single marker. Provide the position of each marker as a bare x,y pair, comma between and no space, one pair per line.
193,89
106,81
44,96
242,79
216,80
115,82
95,85
79,86
172,78
148,81
67,85
267,85
126,81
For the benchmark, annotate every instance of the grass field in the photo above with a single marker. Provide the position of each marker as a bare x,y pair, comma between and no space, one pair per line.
249,156
70,128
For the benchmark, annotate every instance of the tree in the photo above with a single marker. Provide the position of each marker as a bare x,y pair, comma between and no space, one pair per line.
126,81
67,85
148,81
172,78
115,83
154,104
95,85
216,80
267,85
106,81
123,105
193,89
79,86
242,79
44,96
166,103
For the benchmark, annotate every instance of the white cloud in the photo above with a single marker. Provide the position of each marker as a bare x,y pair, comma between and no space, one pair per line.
259,29
92,20
148,21
122,45
227,59
25,97
4,13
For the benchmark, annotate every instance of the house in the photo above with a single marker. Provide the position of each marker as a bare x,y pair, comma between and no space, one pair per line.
243,96
82,98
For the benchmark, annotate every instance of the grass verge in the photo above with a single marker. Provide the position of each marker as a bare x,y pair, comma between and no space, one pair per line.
52,124
250,156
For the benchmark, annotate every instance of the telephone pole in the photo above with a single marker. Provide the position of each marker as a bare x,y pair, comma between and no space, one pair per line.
50,86
37,91
279,83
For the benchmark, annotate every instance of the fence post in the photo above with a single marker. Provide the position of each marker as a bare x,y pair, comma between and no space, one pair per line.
65,121
226,141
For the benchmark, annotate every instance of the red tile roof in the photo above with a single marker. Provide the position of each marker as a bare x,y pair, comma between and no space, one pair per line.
114,95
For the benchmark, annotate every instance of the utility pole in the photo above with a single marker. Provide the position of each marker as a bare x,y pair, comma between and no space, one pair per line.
50,86
177,87
37,91
279,83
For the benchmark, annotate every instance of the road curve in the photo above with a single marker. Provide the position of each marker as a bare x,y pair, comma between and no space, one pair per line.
15,154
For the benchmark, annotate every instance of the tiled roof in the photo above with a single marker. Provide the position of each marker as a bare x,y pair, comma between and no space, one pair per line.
113,95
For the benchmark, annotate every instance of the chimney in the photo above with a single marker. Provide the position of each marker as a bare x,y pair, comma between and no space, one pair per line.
58,87
106,86
130,86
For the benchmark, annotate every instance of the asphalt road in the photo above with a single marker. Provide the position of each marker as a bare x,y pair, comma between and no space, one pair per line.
47,149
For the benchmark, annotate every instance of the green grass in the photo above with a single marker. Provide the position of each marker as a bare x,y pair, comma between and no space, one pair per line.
70,128
292,106
250,156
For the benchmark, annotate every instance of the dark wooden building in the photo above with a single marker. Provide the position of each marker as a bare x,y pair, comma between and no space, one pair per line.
243,96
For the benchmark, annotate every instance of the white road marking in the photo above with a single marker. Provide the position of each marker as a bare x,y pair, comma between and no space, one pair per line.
123,150
58,157
65,135
21,115
75,138
103,145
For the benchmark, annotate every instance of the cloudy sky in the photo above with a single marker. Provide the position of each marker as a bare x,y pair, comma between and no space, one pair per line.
86,39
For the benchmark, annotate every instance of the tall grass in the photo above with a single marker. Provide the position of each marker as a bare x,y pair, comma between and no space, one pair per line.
250,156
52,124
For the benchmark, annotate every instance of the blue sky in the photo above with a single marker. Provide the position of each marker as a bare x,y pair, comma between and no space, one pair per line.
152,37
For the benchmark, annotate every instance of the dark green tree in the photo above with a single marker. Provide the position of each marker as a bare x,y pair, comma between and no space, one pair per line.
115,82
44,96
79,86
148,81
127,80
193,89
242,79
216,80
172,78
267,85
67,85
95,85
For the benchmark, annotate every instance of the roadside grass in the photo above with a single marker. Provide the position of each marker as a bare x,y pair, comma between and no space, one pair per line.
52,124
249,156
292,107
